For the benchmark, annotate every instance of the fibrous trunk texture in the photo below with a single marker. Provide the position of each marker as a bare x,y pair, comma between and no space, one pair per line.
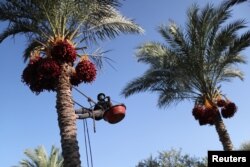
67,120
223,135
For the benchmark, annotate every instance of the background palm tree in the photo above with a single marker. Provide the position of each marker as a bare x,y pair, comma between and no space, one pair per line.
38,158
194,62
55,31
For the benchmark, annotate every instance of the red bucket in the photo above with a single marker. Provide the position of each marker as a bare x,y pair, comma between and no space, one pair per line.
115,113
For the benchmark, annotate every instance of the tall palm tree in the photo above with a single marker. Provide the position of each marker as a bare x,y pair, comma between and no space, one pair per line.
194,62
55,31
39,158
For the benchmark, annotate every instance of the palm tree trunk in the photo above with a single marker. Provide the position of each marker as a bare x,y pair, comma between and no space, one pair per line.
67,120
223,134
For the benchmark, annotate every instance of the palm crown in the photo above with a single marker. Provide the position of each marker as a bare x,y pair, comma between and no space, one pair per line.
76,20
194,62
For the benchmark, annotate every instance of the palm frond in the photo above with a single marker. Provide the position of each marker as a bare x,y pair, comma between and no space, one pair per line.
159,80
55,159
225,37
17,10
172,96
13,30
191,24
109,27
35,44
232,73
98,58
175,38
219,53
38,158
227,63
24,17
240,43
230,3
27,163
78,21
42,156
140,84
31,154
151,53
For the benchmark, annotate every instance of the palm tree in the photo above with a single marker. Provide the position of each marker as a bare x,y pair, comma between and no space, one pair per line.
55,31
193,64
38,158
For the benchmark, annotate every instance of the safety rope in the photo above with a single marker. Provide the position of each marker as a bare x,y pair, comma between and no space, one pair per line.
89,143
85,140
78,104
88,149
88,98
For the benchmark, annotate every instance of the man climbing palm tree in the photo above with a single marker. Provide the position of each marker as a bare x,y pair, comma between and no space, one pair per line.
56,31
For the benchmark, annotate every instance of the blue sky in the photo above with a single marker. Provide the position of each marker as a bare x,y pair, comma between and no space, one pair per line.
27,120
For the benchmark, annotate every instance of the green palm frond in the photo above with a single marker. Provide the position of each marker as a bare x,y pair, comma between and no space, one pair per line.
55,159
225,38
168,82
174,37
79,21
171,96
151,53
14,29
240,43
232,73
31,154
26,163
191,24
141,84
108,26
230,3
35,44
38,158
98,58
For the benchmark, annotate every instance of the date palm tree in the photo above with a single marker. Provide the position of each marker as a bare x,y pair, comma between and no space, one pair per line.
194,62
55,31
39,158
